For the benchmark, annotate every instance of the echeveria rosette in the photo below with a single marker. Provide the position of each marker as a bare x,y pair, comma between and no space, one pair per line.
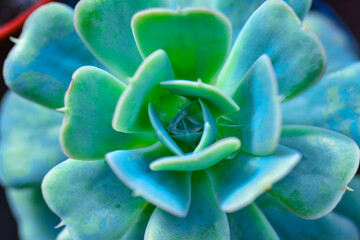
178,126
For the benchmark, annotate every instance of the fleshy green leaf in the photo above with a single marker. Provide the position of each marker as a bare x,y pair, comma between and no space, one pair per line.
45,56
131,113
205,220
210,130
29,141
91,201
89,106
198,160
175,4
258,123
161,132
296,54
167,190
34,218
317,183
333,103
197,41
340,50
137,231
239,181
105,27
290,226
222,103
350,203
250,224
64,235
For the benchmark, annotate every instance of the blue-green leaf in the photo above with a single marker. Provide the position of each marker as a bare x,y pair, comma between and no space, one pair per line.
222,103
200,160
167,190
333,103
105,27
258,123
161,132
90,200
350,203
34,218
250,224
131,114
209,130
317,183
29,141
239,181
45,56
197,40
296,54
290,226
90,102
205,220
340,49
64,235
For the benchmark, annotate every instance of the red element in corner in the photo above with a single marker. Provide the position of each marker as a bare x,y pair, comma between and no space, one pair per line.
15,24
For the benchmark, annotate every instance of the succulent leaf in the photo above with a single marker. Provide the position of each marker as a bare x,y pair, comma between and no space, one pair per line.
250,224
35,220
289,46
210,129
197,41
221,103
317,183
350,204
339,47
205,220
45,56
290,226
93,203
104,26
64,235
29,141
333,103
167,190
258,123
239,181
89,106
131,114
161,132
200,160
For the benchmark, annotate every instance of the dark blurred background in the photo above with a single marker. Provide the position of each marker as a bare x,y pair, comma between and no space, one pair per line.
347,10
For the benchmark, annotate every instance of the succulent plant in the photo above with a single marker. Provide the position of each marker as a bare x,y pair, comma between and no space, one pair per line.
176,114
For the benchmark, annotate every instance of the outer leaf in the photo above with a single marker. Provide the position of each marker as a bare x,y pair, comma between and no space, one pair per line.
104,26
89,106
340,50
297,56
333,103
175,4
258,123
64,235
91,201
292,227
205,220
29,141
196,40
137,230
34,218
317,183
40,65
131,114
200,160
239,181
350,203
250,223
167,190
